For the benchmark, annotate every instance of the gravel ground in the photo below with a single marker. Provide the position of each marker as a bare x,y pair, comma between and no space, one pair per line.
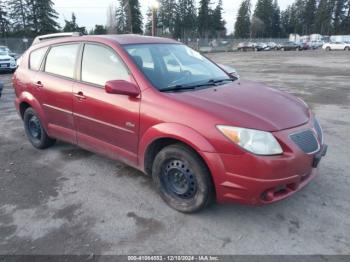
65,200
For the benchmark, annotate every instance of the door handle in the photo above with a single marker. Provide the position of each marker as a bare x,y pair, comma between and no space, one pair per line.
38,84
80,95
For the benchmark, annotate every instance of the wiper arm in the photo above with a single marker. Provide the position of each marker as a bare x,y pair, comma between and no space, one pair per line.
178,88
210,82
221,80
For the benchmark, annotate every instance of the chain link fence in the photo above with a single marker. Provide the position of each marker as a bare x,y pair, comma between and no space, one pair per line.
16,44
19,45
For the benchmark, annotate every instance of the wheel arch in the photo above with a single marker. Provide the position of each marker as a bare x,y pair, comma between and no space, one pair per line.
162,135
26,100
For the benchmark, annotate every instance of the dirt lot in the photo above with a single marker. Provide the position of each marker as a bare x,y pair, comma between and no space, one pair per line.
65,200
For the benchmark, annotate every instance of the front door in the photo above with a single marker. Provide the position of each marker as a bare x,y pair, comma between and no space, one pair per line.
105,123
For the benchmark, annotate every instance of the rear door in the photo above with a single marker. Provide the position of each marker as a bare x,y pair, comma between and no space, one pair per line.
105,123
56,82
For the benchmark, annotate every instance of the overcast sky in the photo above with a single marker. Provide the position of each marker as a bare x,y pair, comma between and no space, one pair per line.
90,13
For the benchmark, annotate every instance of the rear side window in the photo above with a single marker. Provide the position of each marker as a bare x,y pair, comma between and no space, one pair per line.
61,60
36,57
101,64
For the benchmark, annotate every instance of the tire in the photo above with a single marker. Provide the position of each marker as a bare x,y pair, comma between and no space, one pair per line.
283,49
36,134
346,48
182,179
328,49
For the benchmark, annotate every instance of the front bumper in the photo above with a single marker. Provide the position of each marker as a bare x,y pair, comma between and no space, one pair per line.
7,66
258,180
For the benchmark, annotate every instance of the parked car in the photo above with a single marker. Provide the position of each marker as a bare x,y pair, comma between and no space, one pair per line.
12,54
315,44
304,46
246,46
261,47
7,62
288,46
336,46
201,133
272,45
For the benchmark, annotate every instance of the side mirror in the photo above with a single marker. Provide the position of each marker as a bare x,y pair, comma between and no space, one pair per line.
122,87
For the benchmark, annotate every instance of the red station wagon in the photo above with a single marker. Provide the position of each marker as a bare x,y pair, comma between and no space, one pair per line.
166,110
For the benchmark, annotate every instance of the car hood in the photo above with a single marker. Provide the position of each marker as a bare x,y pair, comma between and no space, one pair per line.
5,57
248,104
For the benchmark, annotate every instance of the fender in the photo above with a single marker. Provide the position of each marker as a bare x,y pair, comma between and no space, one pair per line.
34,103
176,131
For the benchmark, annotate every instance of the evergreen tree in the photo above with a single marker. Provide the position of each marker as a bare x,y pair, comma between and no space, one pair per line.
345,24
276,20
167,16
121,17
299,21
134,17
72,26
218,24
263,11
309,16
323,19
18,15
242,25
129,17
204,18
4,21
46,17
187,18
178,26
339,15
99,30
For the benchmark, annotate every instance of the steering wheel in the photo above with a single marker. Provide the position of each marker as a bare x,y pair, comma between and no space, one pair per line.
185,75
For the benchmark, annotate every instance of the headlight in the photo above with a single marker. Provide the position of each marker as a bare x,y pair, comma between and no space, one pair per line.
255,141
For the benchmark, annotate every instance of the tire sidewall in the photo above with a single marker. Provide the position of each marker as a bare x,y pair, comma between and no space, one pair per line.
201,173
35,142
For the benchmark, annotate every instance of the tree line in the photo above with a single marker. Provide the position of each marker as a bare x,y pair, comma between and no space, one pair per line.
304,17
184,19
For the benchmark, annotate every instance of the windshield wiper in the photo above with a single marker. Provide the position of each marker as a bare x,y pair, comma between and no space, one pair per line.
178,88
211,82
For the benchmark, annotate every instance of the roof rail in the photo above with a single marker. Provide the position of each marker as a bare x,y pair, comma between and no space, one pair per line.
41,38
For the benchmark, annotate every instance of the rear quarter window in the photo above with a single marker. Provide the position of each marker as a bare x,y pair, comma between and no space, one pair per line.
61,60
36,58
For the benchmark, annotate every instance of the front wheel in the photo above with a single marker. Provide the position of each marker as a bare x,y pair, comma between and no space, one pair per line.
34,130
328,49
182,179
346,48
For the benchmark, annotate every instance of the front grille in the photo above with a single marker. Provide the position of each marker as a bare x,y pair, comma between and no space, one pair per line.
318,130
306,141
4,60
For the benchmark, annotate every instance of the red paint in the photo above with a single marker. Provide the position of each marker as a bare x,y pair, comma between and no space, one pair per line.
122,125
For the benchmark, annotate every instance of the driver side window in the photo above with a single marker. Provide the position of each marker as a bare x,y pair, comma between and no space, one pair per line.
101,64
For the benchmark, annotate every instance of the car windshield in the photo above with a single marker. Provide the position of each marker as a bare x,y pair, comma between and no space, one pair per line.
175,66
